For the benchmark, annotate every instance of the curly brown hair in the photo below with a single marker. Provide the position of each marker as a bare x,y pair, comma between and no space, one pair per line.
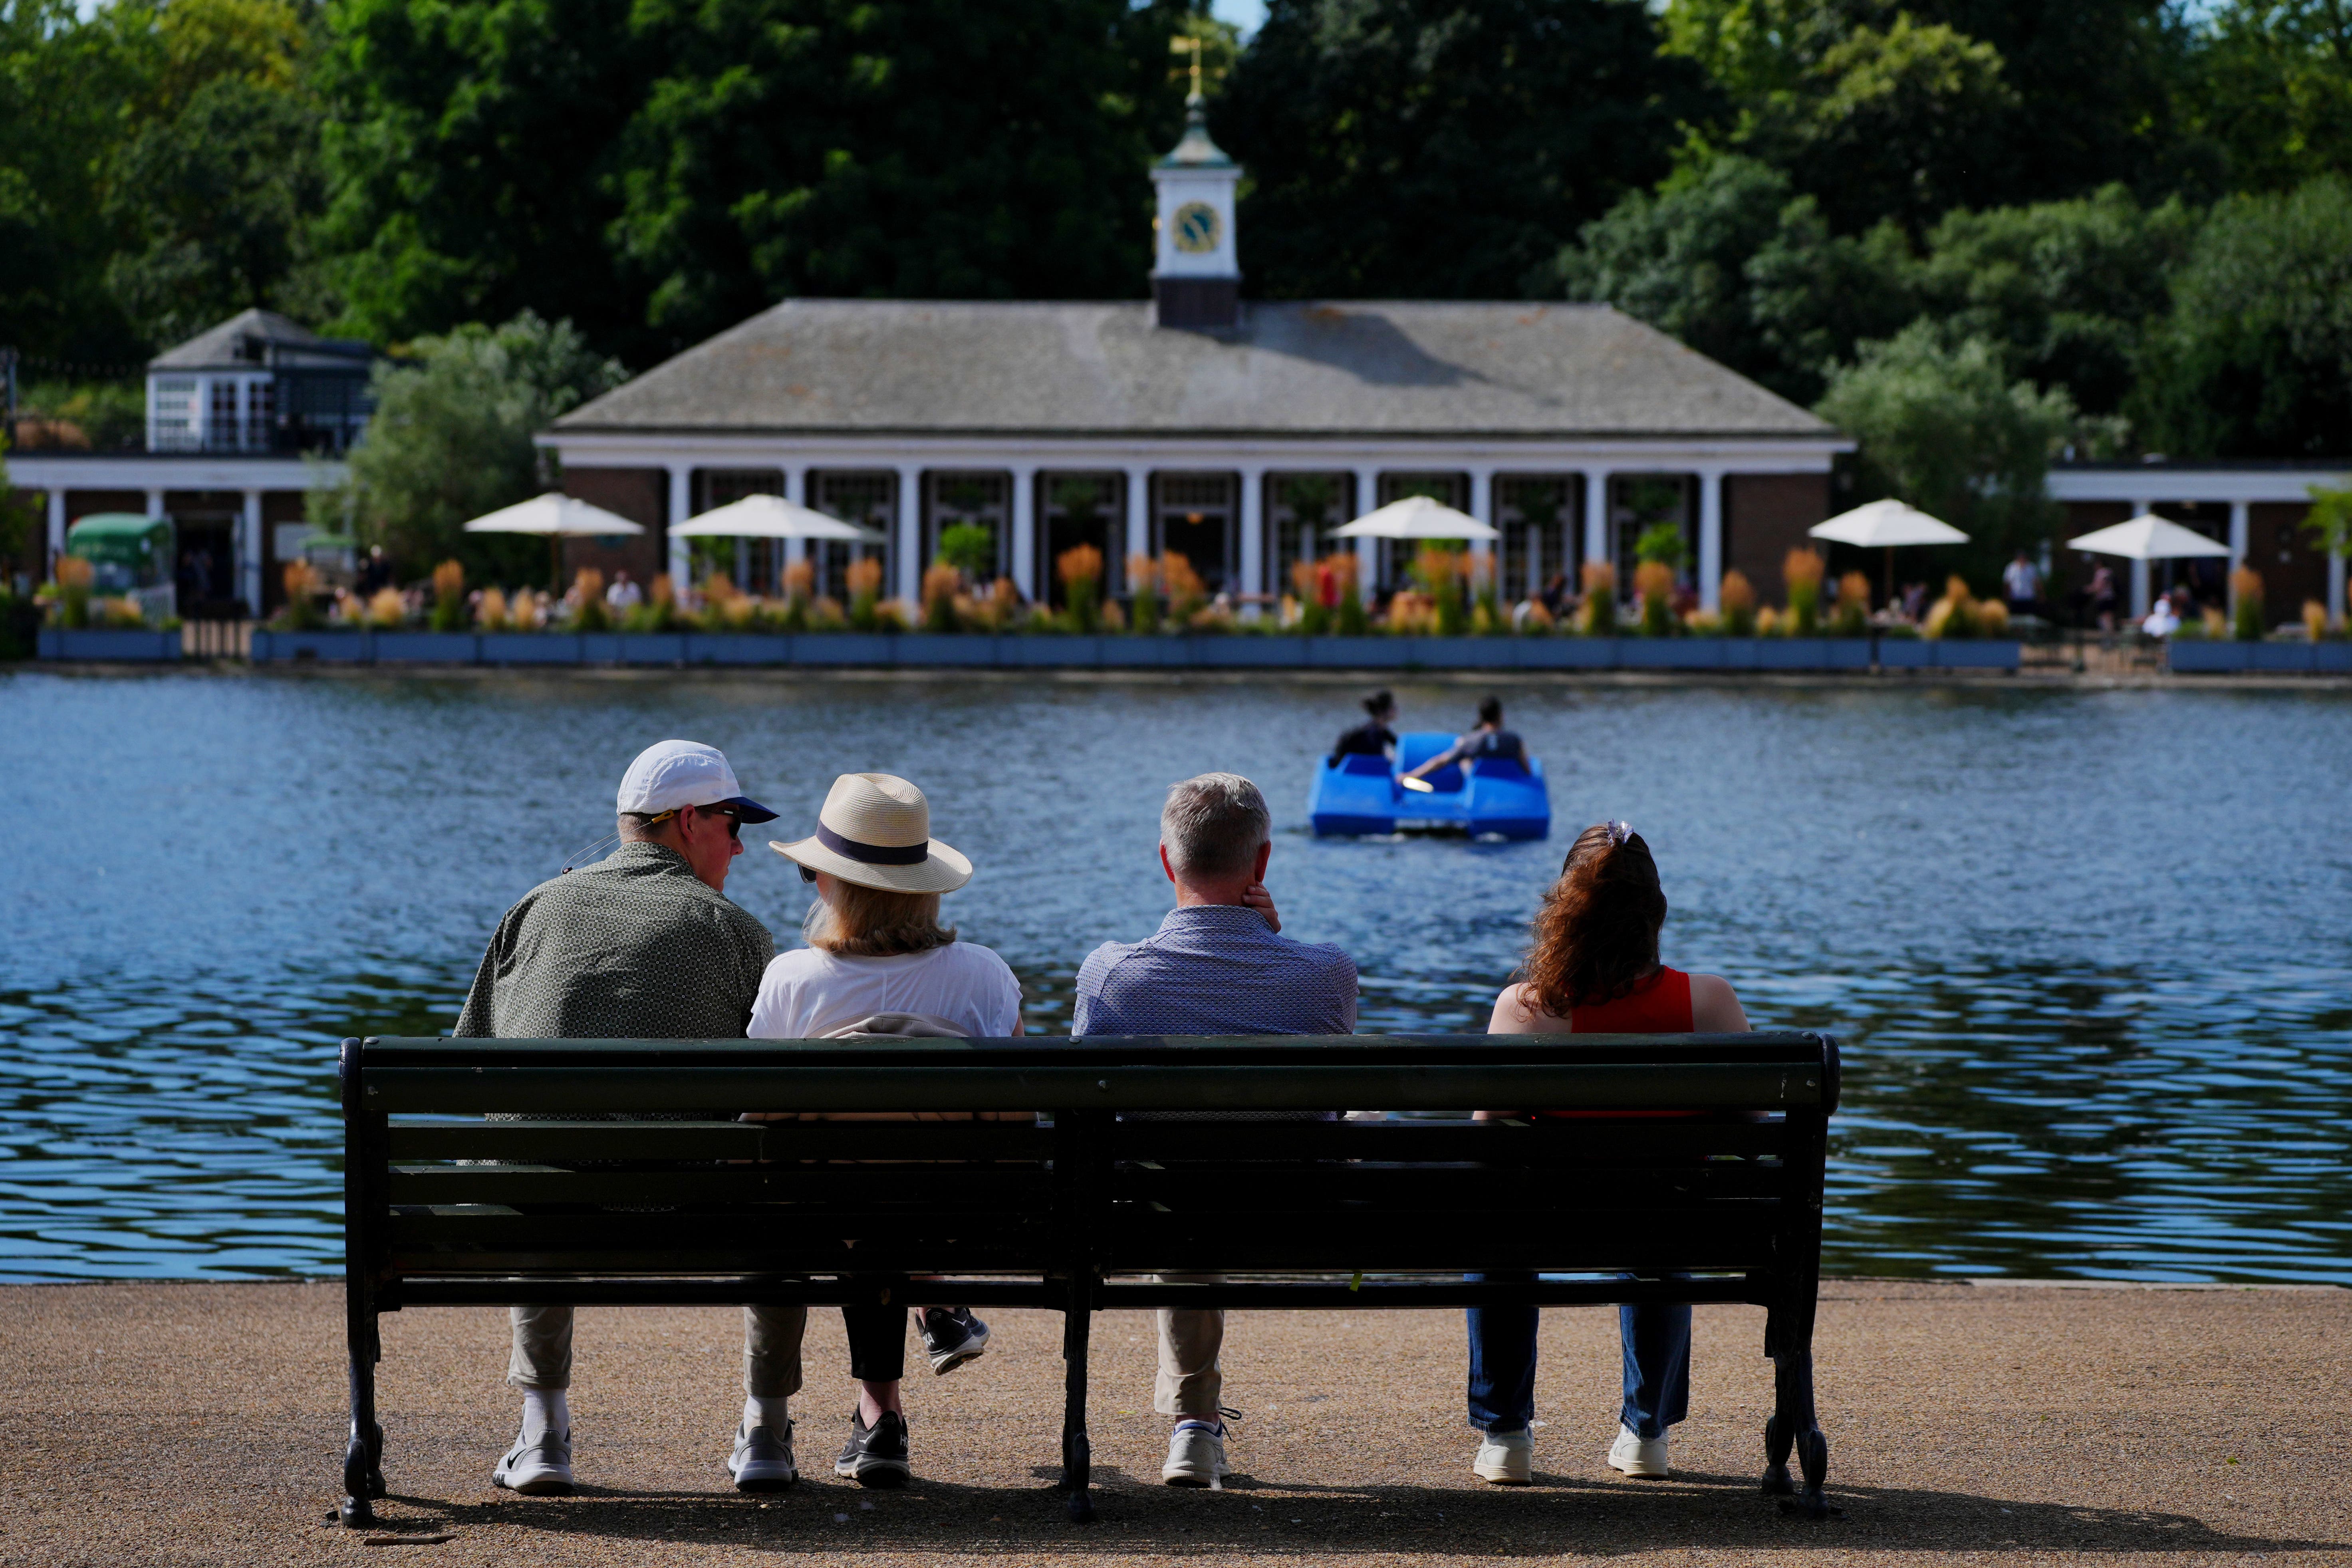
1596,936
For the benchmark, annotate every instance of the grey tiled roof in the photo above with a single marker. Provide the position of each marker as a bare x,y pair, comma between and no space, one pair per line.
860,366
242,342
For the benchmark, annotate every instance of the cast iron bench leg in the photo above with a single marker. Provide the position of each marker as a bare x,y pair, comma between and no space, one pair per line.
1078,1454
1795,1424
363,1453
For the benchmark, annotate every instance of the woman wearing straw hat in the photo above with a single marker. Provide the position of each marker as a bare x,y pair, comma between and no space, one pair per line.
879,962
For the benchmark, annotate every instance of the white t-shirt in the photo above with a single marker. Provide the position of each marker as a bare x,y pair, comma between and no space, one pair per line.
808,993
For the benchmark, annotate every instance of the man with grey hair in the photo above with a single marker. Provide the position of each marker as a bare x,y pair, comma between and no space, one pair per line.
1217,965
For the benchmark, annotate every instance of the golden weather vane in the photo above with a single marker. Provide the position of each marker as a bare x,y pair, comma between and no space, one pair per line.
1180,46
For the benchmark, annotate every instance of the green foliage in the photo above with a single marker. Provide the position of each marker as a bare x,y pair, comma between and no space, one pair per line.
2330,518
1402,149
1947,429
2272,92
452,440
2255,359
109,415
970,548
1661,541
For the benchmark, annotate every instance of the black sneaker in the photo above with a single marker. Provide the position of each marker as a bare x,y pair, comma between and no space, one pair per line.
952,1336
876,1455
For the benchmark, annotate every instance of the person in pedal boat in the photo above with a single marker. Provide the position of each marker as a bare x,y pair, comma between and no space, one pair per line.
1489,739
1374,737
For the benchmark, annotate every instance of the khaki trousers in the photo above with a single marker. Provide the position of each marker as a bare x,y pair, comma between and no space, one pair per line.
1190,1338
541,1357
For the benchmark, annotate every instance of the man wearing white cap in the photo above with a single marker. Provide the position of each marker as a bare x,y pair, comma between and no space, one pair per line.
644,944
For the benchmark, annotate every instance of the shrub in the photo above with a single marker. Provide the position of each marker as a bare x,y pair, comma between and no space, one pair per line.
891,614
1801,572
968,547
826,614
2216,625
1314,614
1991,618
1704,624
1770,622
1441,573
1411,614
1600,598
1654,584
2246,583
449,597
1143,582
2315,619
387,610
1080,569
491,614
1661,543
659,611
1953,615
1738,596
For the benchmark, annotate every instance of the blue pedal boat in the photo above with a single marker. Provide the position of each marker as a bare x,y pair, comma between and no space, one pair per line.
1360,794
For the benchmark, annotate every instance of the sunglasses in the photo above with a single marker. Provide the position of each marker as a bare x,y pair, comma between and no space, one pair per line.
734,823
807,875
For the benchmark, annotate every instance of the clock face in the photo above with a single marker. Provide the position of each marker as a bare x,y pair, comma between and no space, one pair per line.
1196,227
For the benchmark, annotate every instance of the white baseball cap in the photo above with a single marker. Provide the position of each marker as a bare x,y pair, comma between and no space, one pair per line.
669,775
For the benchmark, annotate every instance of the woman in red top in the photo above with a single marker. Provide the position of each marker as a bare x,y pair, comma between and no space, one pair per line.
1592,968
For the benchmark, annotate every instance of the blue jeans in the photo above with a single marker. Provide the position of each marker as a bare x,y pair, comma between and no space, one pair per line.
1503,1364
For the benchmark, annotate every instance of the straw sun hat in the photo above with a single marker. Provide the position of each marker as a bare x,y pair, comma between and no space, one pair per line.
876,831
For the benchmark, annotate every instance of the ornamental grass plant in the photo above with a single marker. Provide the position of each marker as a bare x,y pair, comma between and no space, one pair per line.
659,611
2314,620
1954,615
1442,574
1143,586
1312,615
863,581
1654,584
449,597
941,585
1800,570
73,578
1600,598
1411,614
589,611
1738,598
2246,587
387,610
490,613
1080,571
301,613
1851,618
1186,593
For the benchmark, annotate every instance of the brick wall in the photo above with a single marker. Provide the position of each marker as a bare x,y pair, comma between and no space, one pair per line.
1765,516
641,495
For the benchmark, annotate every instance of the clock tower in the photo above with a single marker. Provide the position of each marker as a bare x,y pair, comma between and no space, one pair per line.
1196,276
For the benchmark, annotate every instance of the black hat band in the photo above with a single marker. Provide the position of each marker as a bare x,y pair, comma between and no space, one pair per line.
872,853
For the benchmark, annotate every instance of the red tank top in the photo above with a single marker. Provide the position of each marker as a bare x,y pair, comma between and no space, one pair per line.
1658,1006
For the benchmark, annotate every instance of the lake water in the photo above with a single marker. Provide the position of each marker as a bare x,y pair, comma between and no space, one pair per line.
2088,953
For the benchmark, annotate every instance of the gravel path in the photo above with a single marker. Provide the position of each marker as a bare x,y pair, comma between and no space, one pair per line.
162,1425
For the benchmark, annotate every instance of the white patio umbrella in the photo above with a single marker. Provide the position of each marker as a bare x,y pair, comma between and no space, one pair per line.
1888,524
558,516
1417,517
773,517
2149,538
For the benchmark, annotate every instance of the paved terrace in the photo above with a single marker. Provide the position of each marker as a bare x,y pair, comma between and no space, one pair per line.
176,1423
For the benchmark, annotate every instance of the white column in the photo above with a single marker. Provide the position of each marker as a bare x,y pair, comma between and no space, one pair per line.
1482,507
2336,586
1253,562
1710,539
57,527
1368,551
2141,594
1132,534
249,554
1024,530
2241,533
1596,515
796,490
910,533
681,506
154,502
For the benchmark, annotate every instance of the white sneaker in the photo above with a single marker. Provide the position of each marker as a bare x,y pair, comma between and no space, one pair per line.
1636,1458
1503,1457
542,1468
1196,1457
762,1460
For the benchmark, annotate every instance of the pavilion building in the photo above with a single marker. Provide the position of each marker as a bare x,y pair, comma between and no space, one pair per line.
1237,432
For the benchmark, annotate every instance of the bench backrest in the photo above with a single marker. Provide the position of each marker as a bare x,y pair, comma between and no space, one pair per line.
1688,1153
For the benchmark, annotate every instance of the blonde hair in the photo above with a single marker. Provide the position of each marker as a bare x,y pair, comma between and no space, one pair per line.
875,922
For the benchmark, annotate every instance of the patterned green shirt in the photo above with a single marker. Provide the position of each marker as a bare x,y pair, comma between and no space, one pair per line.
636,947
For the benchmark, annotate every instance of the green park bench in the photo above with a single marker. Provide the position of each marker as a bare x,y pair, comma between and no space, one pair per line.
450,1201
